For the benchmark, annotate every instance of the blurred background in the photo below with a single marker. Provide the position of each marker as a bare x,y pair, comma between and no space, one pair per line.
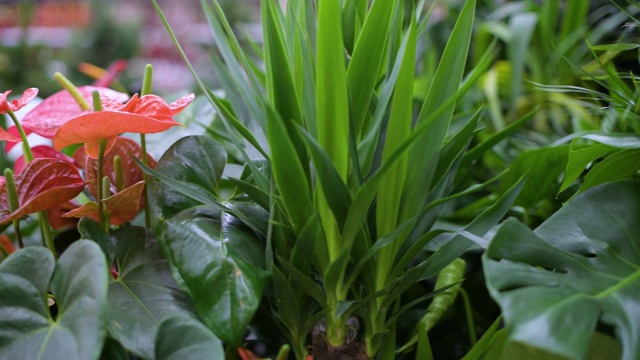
41,37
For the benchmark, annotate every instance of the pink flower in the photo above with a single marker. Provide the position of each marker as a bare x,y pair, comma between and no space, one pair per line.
16,104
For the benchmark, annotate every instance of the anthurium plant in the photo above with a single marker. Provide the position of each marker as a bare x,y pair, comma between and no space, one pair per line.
75,294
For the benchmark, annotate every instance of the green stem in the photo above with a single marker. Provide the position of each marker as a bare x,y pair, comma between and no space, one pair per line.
99,194
46,232
106,191
28,155
45,227
14,202
145,177
146,90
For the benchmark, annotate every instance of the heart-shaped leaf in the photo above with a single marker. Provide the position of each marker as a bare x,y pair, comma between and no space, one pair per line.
79,285
44,183
579,268
182,338
215,259
144,294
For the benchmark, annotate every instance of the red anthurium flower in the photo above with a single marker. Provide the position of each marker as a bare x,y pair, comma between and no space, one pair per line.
39,152
124,148
16,104
13,138
42,184
121,207
50,114
144,115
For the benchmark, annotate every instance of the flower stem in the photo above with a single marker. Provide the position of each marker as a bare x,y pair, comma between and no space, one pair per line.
14,203
28,155
106,186
45,228
99,194
46,232
146,90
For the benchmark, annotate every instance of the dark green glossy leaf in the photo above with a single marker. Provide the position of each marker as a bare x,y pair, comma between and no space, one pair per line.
579,158
219,264
91,230
79,285
622,165
216,260
580,267
181,338
144,293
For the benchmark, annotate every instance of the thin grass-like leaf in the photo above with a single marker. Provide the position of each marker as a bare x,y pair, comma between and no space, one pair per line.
445,85
365,63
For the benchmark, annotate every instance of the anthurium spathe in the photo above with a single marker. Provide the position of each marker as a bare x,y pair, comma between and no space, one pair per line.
42,184
16,104
40,151
50,114
7,106
121,207
143,115
129,171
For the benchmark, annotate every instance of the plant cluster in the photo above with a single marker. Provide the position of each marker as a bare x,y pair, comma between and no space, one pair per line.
343,204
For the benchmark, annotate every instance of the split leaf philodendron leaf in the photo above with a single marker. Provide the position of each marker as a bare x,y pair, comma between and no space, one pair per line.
215,259
579,268
182,338
79,287
144,293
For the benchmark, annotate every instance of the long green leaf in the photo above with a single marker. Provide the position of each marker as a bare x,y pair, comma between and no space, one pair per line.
365,63
445,84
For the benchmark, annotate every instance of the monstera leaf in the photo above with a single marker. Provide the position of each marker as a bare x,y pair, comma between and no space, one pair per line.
579,269
215,259
78,282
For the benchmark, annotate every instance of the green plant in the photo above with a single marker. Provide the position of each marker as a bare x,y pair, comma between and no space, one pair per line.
335,199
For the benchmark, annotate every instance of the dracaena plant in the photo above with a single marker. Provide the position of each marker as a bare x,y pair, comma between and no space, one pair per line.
346,172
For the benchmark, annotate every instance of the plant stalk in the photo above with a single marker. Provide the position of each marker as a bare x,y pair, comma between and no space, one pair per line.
146,90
